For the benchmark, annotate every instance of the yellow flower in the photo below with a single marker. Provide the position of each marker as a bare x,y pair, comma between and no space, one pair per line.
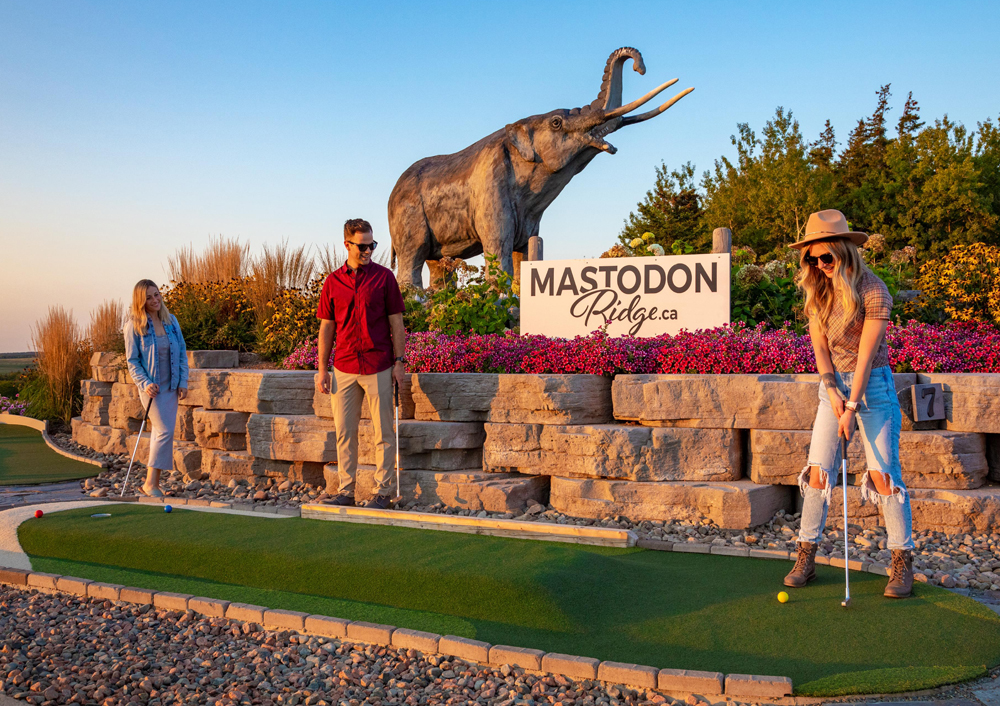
636,242
647,236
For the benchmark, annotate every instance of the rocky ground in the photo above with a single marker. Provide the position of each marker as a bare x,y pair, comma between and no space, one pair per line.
960,561
58,649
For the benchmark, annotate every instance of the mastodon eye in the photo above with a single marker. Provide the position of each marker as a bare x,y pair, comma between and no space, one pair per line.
556,122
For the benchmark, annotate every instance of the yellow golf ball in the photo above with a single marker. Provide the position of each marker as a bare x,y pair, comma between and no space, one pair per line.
782,597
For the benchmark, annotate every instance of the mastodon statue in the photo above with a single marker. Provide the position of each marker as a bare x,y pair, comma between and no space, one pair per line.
490,197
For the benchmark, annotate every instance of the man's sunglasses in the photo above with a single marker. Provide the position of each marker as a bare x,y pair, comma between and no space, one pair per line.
365,247
826,258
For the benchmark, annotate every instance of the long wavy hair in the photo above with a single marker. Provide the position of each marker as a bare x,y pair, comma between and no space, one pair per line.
821,290
140,319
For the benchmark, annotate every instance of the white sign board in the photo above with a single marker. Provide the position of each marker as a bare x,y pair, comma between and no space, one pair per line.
638,296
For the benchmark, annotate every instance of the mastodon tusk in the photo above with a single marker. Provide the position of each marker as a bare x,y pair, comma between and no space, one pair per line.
636,103
632,119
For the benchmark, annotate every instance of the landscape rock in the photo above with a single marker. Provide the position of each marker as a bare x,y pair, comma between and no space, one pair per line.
102,439
96,409
729,401
305,471
956,511
993,456
971,400
224,465
184,427
109,367
493,492
95,388
220,429
615,451
187,460
533,399
292,437
271,391
734,505
126,410
929,459
213,359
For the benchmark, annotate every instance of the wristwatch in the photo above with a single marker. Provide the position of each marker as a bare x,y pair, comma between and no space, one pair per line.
401,359
853,406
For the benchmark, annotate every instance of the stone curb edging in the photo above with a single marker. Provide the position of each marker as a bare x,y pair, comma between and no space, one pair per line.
660,545
43,426
633,675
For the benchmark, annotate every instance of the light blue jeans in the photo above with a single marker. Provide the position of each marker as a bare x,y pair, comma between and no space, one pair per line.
879,422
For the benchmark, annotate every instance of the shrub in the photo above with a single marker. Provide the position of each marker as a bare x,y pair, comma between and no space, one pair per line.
213,315
12,406
766,295
965,283
292,321
473,299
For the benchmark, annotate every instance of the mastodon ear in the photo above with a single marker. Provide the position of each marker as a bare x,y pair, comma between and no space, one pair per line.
517,136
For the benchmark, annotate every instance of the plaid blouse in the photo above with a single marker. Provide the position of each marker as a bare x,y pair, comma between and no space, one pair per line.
844,337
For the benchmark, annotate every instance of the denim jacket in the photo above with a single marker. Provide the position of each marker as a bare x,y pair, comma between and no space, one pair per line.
141,354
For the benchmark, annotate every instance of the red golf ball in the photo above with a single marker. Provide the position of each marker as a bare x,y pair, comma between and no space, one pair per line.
38,513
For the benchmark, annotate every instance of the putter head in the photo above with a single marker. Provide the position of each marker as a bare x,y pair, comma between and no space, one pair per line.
846,603
396,502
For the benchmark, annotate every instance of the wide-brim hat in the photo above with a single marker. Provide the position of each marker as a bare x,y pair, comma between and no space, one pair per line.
828,225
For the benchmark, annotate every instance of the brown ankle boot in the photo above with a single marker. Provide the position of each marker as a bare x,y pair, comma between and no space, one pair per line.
901,576
804,570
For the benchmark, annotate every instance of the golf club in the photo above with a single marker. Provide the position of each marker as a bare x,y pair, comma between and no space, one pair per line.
395,406
137,440
847,575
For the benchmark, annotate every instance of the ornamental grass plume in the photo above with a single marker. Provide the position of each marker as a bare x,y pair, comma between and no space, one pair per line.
57,342
105,331
223,259
278,268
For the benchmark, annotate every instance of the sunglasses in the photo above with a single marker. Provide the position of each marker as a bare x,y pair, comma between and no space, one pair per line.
826,258
364,247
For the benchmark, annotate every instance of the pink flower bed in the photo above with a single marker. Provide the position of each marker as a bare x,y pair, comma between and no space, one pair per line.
914,347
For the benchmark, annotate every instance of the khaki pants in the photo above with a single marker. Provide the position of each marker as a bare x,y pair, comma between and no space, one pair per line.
346,394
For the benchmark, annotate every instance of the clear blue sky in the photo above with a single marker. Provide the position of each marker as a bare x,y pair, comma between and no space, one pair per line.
128,129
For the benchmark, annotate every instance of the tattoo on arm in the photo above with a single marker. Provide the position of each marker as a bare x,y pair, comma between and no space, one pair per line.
830,381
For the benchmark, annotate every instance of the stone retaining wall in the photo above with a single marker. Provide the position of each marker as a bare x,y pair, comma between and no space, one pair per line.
657,447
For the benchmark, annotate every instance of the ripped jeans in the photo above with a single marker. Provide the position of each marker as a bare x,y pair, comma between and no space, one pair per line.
879,421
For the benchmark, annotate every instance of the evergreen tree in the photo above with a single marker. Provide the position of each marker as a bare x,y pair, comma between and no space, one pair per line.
671,211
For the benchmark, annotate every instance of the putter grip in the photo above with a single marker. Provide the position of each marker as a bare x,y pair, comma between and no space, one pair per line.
395,394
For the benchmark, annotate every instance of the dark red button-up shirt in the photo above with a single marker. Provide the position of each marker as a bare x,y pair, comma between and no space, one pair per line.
360,302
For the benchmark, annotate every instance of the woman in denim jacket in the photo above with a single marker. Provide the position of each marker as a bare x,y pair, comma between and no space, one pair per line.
157,362
848,309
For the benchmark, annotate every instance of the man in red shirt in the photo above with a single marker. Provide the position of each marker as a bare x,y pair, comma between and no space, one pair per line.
361,305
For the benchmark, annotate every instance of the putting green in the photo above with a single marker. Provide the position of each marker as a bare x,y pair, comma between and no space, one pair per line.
685,611
25,459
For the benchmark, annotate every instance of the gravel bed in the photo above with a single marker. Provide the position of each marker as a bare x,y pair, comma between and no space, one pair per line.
962,561
59,649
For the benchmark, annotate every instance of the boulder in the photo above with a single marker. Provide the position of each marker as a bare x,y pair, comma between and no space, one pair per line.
109,367
224,465
126,410
956,511
213,359
95,388
208,389
439,446
929,459
187,460
731,401
220,429
271,391
102,439
184,428
971,400
96,409
532,399
322,403
615,451
737,504
142,453
493,492
292,437
305,471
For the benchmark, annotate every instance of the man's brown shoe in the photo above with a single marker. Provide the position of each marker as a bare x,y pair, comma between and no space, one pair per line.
901,576
804,570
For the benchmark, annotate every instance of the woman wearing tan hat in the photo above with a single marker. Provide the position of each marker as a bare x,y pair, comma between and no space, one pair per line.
848,308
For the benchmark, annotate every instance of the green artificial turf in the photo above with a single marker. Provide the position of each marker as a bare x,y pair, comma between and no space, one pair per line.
25,459
684,611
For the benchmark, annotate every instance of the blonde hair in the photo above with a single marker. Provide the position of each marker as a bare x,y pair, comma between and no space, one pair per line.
821,290
140,320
